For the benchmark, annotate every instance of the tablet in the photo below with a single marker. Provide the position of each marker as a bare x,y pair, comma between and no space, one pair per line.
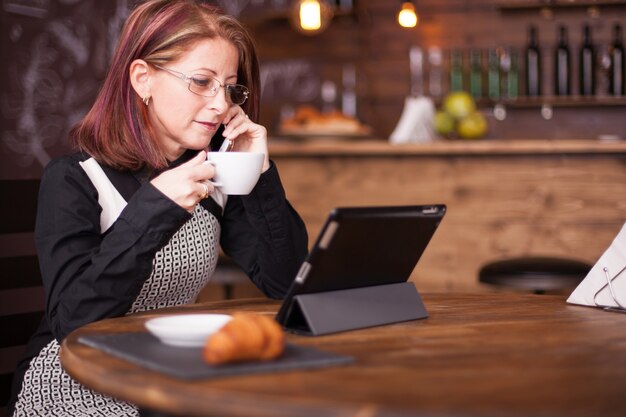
363,247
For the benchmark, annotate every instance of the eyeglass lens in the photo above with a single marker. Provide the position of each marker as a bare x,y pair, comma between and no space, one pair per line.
209,87
237,93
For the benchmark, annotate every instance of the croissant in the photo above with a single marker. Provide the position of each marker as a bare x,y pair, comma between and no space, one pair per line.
246,337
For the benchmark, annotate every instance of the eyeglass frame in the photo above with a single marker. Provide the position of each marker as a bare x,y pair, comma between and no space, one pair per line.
189,79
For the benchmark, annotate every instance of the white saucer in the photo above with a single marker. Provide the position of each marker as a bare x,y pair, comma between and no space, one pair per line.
188,330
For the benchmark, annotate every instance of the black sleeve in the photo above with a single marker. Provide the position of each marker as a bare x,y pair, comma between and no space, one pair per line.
87,275
264,235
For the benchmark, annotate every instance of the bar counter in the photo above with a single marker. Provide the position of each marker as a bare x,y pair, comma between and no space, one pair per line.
506,199
358,147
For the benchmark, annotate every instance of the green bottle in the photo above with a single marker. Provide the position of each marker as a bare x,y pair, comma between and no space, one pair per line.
493,74
476,74
456,70
509,64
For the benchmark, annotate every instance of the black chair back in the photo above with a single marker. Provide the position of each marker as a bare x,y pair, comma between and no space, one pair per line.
21,291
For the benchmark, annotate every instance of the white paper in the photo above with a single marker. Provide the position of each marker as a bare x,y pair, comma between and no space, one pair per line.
416,122
593,290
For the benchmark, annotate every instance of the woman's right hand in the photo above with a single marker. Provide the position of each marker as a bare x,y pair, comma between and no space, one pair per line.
188,183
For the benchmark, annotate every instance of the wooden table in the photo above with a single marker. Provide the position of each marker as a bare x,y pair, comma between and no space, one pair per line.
476,355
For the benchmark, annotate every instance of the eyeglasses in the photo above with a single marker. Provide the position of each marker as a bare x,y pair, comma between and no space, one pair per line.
209,86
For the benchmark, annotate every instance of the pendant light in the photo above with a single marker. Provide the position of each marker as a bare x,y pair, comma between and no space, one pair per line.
311,17
407,16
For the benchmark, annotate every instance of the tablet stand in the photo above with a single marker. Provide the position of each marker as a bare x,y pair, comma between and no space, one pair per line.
336,311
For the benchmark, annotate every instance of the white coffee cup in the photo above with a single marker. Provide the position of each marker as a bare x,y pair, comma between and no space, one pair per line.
236,173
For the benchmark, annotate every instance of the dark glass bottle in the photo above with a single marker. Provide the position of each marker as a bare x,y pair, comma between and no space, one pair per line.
533,64
562,66
476,74
616,76
345,5
587,64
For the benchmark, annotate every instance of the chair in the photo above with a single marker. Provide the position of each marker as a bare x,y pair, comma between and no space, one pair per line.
535,274
228,275
21,290
228,282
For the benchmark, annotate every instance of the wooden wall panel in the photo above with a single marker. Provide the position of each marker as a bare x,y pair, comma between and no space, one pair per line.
375,43
498,206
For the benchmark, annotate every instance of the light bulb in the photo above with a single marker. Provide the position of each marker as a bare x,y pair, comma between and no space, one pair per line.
407,17
311,16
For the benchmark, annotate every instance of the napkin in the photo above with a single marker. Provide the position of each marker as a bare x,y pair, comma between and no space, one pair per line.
594,289
416,122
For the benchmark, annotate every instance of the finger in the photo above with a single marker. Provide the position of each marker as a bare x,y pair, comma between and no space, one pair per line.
237,126
233,112
209,186
202,171
196,160
204,190
239,129
233,124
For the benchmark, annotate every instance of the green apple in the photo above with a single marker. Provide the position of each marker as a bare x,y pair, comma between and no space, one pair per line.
444,123
459,104
473,126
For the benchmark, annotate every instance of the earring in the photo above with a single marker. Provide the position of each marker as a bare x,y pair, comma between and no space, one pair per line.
146,100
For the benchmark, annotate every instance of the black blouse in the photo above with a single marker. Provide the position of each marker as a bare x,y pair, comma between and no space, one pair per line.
90,276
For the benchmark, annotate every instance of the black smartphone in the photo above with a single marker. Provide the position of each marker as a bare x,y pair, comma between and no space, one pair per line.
217,140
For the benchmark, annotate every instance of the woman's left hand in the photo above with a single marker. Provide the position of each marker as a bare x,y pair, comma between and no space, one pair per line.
246,135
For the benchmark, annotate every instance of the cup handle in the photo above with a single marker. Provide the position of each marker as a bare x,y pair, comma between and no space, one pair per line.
215,184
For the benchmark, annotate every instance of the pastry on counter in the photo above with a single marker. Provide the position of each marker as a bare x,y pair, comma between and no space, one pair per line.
307,120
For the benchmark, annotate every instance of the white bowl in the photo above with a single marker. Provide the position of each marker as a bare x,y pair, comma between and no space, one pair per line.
188,330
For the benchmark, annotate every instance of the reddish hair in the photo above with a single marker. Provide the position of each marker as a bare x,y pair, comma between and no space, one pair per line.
117,131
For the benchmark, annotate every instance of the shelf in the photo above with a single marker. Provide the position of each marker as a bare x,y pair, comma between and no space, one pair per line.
513,6
554,101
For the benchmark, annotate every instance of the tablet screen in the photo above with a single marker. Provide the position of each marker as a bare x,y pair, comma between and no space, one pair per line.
365,246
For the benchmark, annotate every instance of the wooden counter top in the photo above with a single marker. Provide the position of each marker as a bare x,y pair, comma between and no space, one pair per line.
378,147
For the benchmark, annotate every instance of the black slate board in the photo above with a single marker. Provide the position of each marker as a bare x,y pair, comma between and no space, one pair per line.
187,363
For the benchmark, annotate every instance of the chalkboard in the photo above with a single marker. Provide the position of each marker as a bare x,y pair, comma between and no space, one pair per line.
54,54
296,80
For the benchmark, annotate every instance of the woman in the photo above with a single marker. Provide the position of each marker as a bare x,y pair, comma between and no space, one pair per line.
131,222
